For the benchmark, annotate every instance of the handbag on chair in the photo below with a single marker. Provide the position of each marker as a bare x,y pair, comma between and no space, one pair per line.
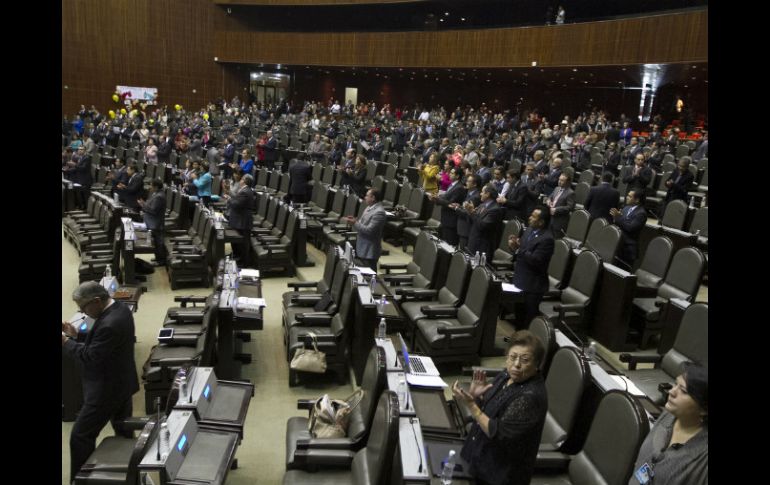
309,360
329,418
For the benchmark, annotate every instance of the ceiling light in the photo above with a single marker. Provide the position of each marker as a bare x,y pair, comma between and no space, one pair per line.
462,19
446,13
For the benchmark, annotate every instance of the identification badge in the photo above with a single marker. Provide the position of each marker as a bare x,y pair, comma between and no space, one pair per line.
644,474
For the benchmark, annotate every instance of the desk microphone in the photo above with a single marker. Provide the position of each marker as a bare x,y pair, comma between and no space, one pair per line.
578,339
192,384
157,406
417,442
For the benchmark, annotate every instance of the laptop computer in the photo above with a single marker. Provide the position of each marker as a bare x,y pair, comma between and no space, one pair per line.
418,365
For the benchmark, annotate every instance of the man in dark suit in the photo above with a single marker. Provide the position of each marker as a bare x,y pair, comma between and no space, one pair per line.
131,191
271,150
517,198
399,138
640,176
80,173
551,179
164,147
154,212
299,175
118,175
561,202
455,194
106,354
486,220
472,195
369,229
532,254
630,220
679,182
602,198
240,218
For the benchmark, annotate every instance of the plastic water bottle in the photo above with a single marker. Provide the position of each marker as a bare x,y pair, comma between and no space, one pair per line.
383,328
402,392
449,468
165,441
476,259
372,285
591,351
115,198
149,235
483,261
692,202
108,272
183,386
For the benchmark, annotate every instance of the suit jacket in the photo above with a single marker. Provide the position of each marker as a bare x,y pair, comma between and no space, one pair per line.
681,184
81,173
551,181
531,260
638,183
485,228
212,155
370,228
563,206
299,174
630,226
239,214
517,202
155,211
463,219
455,194
107,357
132,191
600,200
271,150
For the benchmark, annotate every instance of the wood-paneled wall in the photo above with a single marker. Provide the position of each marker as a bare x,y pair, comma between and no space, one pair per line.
149,43
667,38
310,2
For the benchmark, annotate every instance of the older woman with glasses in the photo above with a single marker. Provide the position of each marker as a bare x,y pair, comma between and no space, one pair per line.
676,451
508,414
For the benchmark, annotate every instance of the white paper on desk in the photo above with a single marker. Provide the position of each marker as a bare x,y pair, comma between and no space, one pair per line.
139,226
249,273
625,382
426,381
511,288
366,271
391,214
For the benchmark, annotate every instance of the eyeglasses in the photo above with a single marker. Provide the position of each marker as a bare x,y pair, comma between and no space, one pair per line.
523,359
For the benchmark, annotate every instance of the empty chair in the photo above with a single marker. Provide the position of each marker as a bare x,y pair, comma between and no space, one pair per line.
412,300
558,268
616,433
454,334
370,465
700,226
682,281
581,193
682,151
654,265
577,228
691,344
605,243
547,334
573,303
565,385
675,215
502,257
303,451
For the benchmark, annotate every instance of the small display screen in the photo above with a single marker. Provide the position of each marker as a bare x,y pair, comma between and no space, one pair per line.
84,327
182,442
207,391
166,333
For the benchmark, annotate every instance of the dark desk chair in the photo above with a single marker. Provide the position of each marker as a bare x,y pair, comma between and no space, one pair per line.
304,452
115,460
501,258
691,344
450,295
675,215
577,228
370,465
682,281
559,269
314,287
572,306
651,272
616,433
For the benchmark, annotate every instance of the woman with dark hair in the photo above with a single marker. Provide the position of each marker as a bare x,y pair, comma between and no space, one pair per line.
508,415
676,451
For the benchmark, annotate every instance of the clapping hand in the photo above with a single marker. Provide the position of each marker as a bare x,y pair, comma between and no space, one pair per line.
513,242
479,383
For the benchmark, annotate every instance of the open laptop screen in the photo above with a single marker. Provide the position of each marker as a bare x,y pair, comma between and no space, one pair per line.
404,353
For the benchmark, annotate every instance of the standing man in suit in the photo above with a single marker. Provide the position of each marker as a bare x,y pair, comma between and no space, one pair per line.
561,202
271,150
80,173
370,228
214,159
455,194
517,198
154,213
299,175
640,176
106,354
472,195
630,220
164,147
602,198
132,190
241,218
679,182
485,222
532,254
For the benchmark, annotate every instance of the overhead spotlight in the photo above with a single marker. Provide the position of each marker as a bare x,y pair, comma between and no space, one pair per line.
446,14
462,19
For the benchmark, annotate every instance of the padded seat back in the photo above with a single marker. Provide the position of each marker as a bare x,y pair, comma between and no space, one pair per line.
338,202
416,203
692,341
391,191
377,182
456,280
596,227
511,228
655,263
372,464
577,228
351,205
684,276
373,382
700,222
327,176
404,194
475,298
675,214
581,190
545,332
586,176
617,431
557,268
584,276
566,382
606,243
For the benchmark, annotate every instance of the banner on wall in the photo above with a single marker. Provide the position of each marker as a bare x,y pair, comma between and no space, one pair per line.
131,93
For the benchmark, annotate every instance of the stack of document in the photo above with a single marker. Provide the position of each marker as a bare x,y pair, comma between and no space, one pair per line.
250,304
249,273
